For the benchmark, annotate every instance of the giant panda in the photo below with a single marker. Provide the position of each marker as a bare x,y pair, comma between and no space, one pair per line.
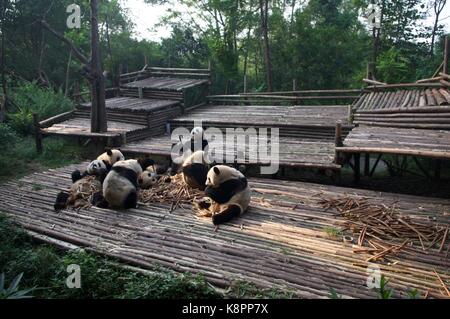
229,190
152,174
83,184
120,187
197,136
194,169
111,157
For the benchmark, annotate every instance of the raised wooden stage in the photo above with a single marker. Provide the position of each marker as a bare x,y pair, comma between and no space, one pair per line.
306,132
282,242
293,152
414,142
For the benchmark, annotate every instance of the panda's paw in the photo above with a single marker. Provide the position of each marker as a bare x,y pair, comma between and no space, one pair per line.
227,215
203,203
99,201
61,201
76,176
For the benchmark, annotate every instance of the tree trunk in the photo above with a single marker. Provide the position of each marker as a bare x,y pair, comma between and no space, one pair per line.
438,6
98,109
264,7
2,62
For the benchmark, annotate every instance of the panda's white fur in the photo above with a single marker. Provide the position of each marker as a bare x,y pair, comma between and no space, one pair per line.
111,157
229,190
97,167
148,179
121,183
195,169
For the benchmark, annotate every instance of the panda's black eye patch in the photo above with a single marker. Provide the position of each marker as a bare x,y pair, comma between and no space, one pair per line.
118,158
149,174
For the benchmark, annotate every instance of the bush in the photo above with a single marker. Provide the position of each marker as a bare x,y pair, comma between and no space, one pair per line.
7,136
31,98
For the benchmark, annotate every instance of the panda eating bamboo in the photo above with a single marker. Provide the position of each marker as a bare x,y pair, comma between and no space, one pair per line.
228,194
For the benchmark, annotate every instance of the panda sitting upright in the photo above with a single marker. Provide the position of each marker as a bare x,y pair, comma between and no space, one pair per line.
194,169
229,190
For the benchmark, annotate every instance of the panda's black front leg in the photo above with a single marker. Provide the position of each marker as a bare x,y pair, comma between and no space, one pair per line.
76,176
99,201
61,201
225,216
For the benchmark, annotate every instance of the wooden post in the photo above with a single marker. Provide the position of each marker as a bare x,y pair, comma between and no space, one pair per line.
294,85
37,133
145,60
357,167
437,169
338,134
98,108
337,141
446,53
245,83
367,164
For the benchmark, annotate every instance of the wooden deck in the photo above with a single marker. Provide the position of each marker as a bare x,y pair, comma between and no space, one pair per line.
81,127
132,105
292,152
166,83
385,140
280,243
427,108
309,122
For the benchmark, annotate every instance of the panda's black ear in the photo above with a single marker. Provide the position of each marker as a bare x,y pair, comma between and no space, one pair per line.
109,152
217,170
108,166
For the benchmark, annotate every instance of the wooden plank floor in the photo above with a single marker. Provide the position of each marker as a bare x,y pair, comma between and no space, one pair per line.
293,152
280,243
430,143
319,116
82,127
130,104
165,83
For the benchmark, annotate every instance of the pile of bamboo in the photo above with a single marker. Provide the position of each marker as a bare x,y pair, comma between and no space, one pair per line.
382,230
170,190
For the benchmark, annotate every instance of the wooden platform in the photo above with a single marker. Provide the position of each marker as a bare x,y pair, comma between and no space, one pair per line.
385,140
166,83
315,122
292,152
280,243
130,104
81,127
427,108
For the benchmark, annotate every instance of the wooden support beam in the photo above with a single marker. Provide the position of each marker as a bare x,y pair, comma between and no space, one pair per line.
37,133
375,165
446,55
437,169
419,165
366,164
357,168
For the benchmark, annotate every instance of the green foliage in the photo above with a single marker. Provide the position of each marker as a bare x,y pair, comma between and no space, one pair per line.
8,136
332,231
30,98
334,294
393,67
385,292
20,158
13,292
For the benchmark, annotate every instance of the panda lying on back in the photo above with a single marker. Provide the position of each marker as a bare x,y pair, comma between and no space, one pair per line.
82,184
229,189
